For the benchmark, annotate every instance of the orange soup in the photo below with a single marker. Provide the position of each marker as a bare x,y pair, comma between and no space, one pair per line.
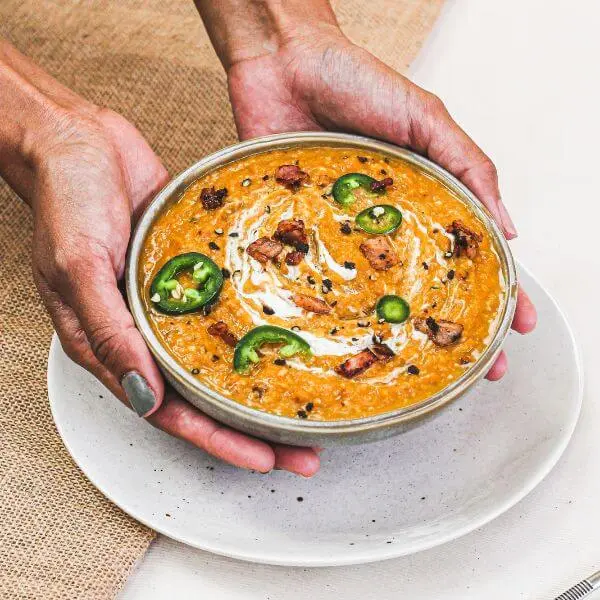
321,283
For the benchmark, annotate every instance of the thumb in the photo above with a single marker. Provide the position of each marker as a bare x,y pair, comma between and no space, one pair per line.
109,327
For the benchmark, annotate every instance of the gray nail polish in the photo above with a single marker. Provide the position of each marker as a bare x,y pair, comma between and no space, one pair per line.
138,392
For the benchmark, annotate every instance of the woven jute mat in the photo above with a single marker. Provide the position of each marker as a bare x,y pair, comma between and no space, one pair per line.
151,61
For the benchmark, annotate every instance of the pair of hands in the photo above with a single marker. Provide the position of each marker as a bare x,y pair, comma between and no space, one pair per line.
95,173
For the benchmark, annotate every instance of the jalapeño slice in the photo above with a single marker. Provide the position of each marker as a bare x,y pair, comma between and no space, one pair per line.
246,350
380,219
392,309
345,186
171,297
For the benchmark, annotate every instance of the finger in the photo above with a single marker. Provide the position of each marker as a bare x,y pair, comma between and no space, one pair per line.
90,288
302,461
499,368
525,318
182,420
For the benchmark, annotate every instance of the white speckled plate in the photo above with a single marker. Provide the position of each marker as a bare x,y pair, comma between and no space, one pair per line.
435,483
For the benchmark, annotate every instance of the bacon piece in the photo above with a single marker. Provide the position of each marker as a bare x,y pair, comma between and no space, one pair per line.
466,241
311,304
357,364
379,253
221,330
382,352
211,198
264,249
380,186
440,332
291,176
293,233
294,258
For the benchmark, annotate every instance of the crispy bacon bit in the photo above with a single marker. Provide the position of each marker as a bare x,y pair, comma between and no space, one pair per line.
294,258
465,241
357,364
264,249
293,233
440,332
311,304
221,330
211,198
382,352
291,176
379,253
379,186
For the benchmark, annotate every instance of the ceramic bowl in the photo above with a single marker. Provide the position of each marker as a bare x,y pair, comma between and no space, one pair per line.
306,432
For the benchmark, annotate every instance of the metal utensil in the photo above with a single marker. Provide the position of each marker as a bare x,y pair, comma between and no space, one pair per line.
581,589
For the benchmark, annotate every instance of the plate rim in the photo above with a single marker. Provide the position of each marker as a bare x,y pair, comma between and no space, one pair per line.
386,552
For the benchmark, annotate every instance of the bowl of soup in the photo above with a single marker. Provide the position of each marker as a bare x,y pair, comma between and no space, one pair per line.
320,288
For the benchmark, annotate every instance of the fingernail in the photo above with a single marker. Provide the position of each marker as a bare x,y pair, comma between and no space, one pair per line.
507,222
139,393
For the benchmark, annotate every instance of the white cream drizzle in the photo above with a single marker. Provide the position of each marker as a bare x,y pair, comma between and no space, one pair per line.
271,292
328,260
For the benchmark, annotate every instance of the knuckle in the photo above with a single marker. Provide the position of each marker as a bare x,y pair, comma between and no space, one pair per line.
76,259
488,169
108,344
435,104
74,346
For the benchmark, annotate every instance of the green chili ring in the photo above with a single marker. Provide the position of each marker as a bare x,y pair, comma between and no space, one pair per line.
344,187
204,272
392,309
380,219
246,350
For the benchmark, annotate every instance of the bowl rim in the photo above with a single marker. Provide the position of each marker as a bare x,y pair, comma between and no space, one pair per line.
241,413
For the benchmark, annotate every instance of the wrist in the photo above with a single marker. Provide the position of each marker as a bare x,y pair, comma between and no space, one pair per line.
242,30
35,106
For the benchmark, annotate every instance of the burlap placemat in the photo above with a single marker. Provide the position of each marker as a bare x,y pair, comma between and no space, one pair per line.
151,61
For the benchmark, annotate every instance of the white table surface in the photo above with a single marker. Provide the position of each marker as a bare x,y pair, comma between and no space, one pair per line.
522,77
